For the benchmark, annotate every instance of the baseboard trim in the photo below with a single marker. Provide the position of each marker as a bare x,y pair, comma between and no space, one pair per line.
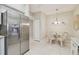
37,40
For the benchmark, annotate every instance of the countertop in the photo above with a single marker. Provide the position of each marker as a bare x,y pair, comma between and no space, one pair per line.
1,36
76,40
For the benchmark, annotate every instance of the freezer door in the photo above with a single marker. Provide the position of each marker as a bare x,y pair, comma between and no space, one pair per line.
13,31
24,34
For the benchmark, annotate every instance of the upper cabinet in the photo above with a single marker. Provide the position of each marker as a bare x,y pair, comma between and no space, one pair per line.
17,6
27,10
22,7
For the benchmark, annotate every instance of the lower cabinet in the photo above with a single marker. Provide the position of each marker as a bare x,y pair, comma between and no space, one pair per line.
2,45
74,48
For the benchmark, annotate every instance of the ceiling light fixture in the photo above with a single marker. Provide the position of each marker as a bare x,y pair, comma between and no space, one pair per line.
56,21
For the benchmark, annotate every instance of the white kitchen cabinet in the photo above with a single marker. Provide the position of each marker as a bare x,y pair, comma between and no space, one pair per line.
74,49
2,45
27,10
74,46
21,7
17,6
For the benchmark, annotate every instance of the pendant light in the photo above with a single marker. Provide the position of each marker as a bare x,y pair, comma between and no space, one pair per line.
56,21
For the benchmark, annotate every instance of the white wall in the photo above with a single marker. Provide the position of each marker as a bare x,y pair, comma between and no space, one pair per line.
66,17
76,12
47,26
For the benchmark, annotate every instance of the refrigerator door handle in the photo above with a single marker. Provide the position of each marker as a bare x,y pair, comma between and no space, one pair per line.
19,33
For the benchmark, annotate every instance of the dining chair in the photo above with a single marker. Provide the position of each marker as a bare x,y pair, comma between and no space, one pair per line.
51,38
60,40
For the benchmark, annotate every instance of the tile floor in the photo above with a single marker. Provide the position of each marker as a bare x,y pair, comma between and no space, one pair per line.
44,48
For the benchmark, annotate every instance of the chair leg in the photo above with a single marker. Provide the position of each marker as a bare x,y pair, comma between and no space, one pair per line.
50,41
61,43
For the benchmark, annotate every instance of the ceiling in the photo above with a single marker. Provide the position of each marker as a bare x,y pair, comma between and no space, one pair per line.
51,8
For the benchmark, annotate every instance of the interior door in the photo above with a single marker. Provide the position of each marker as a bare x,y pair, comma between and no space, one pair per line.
24,34
13,32
36,30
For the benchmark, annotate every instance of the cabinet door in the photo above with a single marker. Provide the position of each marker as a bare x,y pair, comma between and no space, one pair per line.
2,45
74,49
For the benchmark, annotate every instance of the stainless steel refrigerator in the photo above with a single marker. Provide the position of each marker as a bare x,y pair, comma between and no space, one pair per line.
16,32
24,34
